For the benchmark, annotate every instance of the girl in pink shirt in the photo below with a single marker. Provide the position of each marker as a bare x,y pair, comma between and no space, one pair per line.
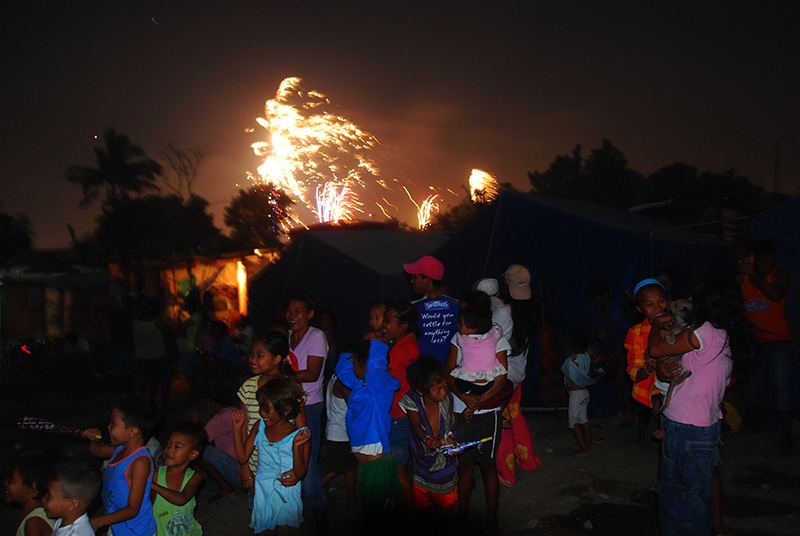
713,346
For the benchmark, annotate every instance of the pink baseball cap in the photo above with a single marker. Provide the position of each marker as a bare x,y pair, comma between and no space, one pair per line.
428,266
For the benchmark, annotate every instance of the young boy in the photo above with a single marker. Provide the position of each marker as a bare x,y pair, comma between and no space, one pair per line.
429,406
368,423
576,380
174,488
71,490
126,482
26,485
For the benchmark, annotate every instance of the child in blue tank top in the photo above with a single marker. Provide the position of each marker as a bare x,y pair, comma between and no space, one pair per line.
126,482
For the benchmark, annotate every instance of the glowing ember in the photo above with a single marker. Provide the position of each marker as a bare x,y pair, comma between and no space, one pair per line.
334,204
309,148
483,187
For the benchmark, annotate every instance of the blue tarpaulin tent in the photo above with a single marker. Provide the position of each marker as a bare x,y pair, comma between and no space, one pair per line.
565,244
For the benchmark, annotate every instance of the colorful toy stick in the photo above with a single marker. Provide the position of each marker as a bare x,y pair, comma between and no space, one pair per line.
43,425
458,448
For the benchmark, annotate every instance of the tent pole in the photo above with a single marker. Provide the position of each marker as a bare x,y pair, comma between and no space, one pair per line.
491,236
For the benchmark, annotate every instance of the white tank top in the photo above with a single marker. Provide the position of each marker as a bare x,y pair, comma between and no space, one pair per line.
336,428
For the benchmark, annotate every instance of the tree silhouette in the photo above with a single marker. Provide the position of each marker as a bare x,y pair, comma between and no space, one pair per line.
122,169
184,164
154,226
15,236
258,215
602,177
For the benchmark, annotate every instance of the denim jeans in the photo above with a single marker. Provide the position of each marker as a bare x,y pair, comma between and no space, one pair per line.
688,454
227,466
314,497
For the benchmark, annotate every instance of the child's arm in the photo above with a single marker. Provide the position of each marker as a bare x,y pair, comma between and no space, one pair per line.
471,401
657,346
96,448
139,472
344,371
178,498
245,473
300,457
36,526
499,381
243,449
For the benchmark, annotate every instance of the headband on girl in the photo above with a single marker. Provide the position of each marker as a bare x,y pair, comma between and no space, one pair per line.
645,282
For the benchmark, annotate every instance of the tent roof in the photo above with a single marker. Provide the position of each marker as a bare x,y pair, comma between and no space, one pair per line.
603,215
382,251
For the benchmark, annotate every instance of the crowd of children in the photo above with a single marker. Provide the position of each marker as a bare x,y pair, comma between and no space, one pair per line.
405,430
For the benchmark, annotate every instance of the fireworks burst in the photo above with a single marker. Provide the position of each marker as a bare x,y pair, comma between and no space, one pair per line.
425,210
328,165
335,205
483,187
309,149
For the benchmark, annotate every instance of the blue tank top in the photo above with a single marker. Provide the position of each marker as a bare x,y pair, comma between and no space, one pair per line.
116,492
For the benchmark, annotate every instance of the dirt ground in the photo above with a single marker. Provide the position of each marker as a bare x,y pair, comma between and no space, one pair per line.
611,492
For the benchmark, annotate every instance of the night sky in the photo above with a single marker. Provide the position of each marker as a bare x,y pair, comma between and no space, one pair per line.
501,87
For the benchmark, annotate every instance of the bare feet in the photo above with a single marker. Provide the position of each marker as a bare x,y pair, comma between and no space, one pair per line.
582,453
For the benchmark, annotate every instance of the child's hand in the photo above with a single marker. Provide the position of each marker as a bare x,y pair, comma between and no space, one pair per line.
302,437
288,478
667,368
93,434
664,321
239,418
193,415
467,413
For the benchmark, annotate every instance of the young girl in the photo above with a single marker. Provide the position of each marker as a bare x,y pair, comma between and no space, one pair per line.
267,362
308,349
719,339
484,353
478,415
175,483
377,314
399,322
27,485
651,301
278,504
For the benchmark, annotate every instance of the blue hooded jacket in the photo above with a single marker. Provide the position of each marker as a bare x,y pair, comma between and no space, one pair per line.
368,420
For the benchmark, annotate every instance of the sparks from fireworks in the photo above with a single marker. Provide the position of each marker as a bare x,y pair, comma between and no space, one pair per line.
335,205
483,187
309,149
425,210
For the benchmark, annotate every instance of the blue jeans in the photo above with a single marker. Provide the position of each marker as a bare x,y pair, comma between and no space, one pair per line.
227,466
314,497
688,454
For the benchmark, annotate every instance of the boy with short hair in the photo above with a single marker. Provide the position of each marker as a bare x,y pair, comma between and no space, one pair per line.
368,423
429,406
72,488
126,482
174,488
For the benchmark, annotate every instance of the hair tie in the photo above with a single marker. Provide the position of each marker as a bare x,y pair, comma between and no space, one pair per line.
645,282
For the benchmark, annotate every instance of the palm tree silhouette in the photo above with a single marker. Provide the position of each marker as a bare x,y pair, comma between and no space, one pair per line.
122,169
